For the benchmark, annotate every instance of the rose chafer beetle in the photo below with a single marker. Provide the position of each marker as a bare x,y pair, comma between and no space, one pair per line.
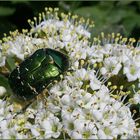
36,72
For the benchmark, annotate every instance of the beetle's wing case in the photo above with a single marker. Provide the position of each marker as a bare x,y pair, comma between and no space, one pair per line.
37,71
31,63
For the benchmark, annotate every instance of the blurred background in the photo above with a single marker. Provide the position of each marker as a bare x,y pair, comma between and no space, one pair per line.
109,16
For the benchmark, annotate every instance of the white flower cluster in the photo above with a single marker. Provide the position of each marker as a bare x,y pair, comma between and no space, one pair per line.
35,123
83,104
83,115
18,46
116,57
90,115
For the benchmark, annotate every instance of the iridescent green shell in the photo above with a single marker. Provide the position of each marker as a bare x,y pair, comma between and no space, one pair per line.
36,72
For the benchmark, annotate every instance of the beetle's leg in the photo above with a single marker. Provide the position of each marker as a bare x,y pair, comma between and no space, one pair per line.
28,104
43,96
25,107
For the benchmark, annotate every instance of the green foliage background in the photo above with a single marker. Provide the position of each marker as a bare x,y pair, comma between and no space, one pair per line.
109,16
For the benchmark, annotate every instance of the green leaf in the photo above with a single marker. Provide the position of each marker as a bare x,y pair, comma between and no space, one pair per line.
69,5
11,63
6,26
98,14
111,18
138,105
4,83
19,1
116,16
91,12
6,11
124,2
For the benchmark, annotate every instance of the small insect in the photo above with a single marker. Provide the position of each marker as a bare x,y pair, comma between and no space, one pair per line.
36,72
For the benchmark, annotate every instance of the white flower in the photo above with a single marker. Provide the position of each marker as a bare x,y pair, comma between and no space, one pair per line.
98,115
94,82
111,65
66,100
136,98
2,91
82,74
60,88
132,70
52,127
125,54
11,134
3,125
101,134
2,59
87,130
20,47
103,94
35,132
80,29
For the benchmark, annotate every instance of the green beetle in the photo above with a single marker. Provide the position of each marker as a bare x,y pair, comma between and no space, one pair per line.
36,72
